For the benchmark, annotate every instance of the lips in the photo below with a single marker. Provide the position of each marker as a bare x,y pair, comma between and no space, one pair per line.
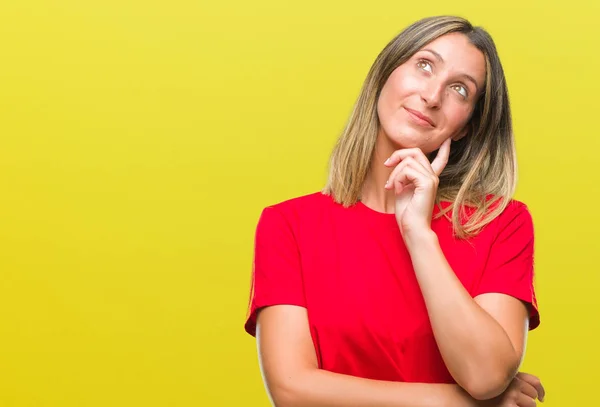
421,116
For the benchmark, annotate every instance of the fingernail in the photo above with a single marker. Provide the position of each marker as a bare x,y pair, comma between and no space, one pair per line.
387,182
387,161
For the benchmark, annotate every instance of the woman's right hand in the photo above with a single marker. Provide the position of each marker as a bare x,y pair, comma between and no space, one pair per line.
523,391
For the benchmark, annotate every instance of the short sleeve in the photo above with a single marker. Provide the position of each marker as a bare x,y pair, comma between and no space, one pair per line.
510,266
276,270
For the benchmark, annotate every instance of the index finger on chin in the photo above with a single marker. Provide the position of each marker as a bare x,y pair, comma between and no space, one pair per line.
441,159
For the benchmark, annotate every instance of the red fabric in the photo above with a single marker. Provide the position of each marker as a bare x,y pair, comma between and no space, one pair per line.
350,269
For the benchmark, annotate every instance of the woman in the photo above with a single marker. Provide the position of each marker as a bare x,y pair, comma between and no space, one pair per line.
408,281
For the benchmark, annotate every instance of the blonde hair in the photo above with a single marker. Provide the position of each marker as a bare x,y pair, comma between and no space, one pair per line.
480,177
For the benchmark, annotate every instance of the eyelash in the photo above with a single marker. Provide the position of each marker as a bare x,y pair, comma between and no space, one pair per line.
426,61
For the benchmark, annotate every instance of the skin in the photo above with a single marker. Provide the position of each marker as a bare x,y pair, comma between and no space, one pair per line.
425,105
442,90
484,345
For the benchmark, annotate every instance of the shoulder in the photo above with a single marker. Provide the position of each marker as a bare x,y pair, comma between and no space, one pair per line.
298,209
300,205
515,212
514,223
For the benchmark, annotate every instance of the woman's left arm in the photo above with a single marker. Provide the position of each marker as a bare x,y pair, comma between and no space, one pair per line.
481,339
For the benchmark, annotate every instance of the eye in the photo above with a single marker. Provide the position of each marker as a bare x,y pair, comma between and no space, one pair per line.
462,90
425,65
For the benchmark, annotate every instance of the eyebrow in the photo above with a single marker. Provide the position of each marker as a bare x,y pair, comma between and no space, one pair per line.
439,58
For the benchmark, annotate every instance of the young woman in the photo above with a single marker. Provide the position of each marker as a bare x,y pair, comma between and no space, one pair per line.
407,281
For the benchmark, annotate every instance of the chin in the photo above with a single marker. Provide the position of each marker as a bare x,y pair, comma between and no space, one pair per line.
410,141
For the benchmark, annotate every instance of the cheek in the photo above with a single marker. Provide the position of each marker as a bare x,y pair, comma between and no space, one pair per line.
394,93
384,103
404,85
458,116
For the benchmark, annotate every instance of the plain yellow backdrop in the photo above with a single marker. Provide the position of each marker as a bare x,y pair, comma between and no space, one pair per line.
139,141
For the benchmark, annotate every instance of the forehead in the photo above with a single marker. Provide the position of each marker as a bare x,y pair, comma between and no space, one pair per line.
459,55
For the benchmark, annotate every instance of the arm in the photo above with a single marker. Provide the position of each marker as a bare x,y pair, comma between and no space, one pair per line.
292,377
481,339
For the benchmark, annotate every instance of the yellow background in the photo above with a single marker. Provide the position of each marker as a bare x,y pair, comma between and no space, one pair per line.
141,139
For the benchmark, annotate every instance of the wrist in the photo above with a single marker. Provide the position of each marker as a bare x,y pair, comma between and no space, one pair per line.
452,395
422,238
464,399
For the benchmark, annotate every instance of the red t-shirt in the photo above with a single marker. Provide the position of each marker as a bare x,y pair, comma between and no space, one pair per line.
350,269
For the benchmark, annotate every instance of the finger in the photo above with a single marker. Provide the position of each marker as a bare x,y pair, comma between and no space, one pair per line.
409,176
441,159
408,162
389,184
525,401
528,389
400,155
535,382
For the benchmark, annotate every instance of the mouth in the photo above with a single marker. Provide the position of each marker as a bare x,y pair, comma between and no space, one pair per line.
420,118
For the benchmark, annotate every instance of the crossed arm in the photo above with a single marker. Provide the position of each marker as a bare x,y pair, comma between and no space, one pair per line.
290,371
481,340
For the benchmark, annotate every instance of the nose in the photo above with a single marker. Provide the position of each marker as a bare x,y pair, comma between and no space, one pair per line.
432,94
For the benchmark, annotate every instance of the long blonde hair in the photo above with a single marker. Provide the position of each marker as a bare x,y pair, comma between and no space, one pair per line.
480,177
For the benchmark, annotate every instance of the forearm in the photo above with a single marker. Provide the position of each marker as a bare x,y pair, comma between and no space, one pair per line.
476,349
320,388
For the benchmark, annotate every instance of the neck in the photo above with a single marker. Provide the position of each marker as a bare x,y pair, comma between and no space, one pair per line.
374,195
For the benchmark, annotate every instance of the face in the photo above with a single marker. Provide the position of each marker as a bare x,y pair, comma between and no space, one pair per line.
430,97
